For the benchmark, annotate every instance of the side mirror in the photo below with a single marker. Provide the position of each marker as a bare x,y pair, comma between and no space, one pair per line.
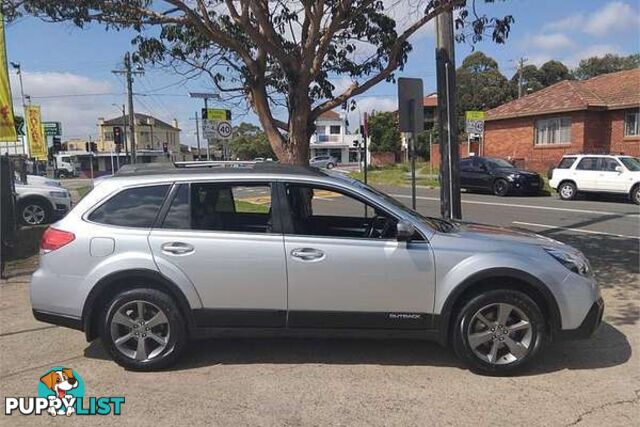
619,169
404,231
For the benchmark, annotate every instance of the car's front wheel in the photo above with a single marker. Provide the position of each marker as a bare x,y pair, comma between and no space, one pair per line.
635,194
330,165
500,187
143,330
35,212
499,332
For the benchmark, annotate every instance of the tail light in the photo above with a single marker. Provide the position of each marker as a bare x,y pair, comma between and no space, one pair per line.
53,239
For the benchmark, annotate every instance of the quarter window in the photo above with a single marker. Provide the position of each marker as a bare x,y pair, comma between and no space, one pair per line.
221,207
135,207
566,163
553,131
632,123
327,213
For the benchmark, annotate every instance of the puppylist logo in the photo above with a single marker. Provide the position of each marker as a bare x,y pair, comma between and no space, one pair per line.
61,392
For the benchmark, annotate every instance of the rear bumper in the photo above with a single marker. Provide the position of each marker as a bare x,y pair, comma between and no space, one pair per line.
588,326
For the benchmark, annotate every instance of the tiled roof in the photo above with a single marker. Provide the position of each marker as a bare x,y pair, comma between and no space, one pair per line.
329,115
430,100
607,91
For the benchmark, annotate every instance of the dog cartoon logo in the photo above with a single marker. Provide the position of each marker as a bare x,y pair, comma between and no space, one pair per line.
61,385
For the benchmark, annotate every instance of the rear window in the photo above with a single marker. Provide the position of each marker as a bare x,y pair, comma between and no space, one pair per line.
566,162
135,207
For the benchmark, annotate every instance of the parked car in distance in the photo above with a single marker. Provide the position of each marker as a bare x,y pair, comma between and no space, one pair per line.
41,204
147,261
498,176
323,162
591,173
39,181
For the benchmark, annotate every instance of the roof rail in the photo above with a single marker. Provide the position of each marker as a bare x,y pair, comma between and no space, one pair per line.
215,164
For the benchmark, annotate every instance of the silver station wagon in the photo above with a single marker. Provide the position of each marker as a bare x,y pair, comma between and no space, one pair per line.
154,258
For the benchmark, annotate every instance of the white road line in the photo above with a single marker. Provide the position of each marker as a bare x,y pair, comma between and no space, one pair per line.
514,205
577,230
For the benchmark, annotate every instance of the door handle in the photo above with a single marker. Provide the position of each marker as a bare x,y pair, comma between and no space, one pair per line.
307,254
177,248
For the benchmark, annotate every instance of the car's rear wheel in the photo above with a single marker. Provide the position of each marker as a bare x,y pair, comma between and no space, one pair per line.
567,190
330,165
143,330
35,212
499,332
500,187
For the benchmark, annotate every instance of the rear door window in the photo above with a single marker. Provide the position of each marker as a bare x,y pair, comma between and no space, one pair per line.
221,207
134,207
588,164
608,164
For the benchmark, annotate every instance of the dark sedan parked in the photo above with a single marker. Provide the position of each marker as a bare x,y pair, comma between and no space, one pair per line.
498,176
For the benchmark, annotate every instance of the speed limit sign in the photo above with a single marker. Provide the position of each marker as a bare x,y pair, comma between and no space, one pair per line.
224,129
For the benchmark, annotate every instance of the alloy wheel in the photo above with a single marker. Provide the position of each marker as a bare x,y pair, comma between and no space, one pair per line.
566,191
140,330
500,334
33,214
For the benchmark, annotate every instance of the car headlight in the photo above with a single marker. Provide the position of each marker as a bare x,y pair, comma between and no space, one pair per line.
62,194
571,260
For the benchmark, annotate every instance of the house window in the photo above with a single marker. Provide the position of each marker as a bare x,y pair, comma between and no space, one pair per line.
334,130
553,131
632,123
320,130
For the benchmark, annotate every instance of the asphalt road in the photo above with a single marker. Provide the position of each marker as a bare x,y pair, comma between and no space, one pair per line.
369,382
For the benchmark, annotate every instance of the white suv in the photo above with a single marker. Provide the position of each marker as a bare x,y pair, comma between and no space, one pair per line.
597,174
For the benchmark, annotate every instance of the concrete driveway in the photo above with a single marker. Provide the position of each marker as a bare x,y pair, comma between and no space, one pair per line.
366,382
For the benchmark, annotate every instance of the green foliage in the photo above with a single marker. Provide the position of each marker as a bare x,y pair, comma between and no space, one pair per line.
553,72
384,133
480,85
422,142
249,142
609,63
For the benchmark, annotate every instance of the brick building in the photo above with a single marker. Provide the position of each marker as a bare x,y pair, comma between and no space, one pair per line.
599,115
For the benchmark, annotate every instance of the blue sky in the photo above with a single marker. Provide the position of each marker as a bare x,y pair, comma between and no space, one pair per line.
61,59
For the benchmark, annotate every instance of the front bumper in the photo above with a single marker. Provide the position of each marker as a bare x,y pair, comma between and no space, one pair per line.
588,326
526,186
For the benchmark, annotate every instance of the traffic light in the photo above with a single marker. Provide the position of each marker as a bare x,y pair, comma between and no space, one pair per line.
57,144
86,147
117,135
356,143
165,147
94,147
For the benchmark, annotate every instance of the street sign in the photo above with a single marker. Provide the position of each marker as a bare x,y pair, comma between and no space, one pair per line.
20,128
216,114
203,95
474,122
224,129
410,108
52,128
217,129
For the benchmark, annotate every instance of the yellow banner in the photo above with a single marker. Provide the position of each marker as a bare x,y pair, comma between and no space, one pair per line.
7,122
474,116
35,133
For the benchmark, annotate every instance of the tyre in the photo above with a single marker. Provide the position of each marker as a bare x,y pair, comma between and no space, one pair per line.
330,165
143,330
500,187
34,212
567,190
499,332
635,195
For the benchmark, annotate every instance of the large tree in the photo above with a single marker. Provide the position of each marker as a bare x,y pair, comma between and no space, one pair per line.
609,63
480,85
384,133
281,55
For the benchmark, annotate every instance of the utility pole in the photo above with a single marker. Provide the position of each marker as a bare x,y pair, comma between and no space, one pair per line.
25,145
521,62
198,134
450,205
128,72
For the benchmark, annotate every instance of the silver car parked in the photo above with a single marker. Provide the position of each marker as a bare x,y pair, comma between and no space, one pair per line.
149,260
323,162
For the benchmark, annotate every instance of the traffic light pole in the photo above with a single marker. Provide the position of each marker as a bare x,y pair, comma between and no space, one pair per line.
450,204
128,72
